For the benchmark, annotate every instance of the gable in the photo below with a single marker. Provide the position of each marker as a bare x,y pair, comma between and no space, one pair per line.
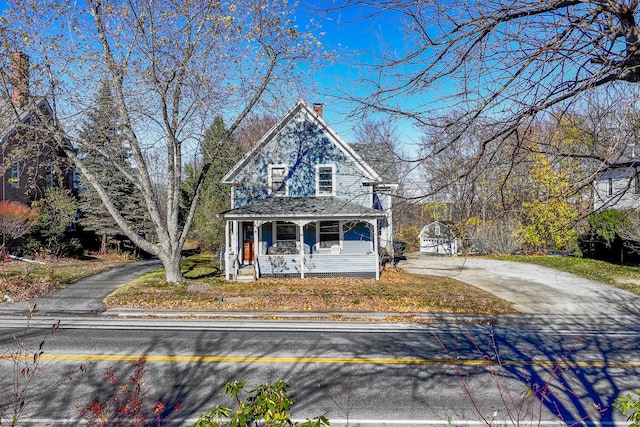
300,136
11,118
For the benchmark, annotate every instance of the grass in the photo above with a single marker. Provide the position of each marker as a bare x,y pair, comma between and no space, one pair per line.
396,291
204,289
21,280
619,276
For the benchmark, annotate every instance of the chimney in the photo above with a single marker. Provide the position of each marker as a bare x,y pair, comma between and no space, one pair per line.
317,107
20,76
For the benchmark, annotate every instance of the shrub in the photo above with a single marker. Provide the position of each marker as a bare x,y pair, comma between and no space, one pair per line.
269,403
16,220
126,405
630,402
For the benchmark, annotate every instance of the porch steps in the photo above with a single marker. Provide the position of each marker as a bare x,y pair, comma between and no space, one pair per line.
246,274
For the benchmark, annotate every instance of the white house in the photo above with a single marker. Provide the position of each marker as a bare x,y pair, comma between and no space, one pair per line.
438,238
618,185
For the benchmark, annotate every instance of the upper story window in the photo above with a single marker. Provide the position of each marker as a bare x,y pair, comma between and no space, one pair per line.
14,179
325,180
277,180
610,187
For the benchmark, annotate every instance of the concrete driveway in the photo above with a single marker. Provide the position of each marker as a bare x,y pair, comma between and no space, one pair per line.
531,288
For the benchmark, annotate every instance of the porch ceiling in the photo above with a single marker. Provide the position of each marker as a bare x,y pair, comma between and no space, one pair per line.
302,207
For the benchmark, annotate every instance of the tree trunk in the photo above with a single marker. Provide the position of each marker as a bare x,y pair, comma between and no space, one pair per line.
171,264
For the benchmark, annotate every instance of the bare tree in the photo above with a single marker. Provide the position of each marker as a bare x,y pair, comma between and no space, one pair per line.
504,61
173,66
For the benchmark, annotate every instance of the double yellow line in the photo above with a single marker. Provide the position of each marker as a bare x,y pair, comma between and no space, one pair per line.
336,360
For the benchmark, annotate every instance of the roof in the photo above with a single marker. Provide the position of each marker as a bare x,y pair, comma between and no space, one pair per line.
445,230
367,171
302,207
620,172
381,158
11,116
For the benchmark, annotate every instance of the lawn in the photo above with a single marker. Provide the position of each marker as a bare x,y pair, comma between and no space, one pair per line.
20,280
620,276
205,289
396,291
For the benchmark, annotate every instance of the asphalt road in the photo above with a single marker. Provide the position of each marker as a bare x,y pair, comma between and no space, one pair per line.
578,352
362,374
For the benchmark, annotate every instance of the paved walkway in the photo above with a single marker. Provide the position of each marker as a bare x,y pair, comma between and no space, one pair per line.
533,289
85,296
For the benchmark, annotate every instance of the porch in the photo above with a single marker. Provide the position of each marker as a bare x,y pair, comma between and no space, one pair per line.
318,265
303,237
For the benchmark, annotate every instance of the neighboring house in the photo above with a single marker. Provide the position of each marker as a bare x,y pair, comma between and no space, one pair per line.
304,203
618,185
29,164
438,238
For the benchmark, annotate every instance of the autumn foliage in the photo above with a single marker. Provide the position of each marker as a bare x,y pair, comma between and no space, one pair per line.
16,220
125,403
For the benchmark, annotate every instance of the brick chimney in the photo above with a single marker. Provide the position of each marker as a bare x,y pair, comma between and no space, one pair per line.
317,107
20,77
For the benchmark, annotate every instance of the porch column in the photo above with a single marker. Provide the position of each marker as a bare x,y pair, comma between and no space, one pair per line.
375,247
226,250
256,248
301,243
234,250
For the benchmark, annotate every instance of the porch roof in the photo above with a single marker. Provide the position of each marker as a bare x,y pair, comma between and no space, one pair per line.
302,207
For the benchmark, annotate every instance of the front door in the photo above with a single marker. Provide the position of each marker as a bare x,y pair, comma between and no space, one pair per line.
247,243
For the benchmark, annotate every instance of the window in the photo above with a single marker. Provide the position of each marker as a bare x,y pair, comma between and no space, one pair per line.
325,176
277,180
286,231
636,186
14,180
328,234
610,187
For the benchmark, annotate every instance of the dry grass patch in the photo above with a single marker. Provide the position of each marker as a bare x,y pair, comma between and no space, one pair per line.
397,291
21,280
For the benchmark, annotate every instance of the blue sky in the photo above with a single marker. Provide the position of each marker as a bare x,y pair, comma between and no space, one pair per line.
352,37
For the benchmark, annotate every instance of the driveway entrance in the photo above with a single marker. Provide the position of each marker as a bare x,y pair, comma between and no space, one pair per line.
533,289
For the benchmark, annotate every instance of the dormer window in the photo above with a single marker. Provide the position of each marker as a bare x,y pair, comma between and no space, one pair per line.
277,180
325,180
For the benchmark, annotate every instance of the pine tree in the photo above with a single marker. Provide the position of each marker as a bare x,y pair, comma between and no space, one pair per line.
101,126
207,229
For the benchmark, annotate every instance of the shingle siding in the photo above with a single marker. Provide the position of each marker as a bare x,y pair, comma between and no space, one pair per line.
301,145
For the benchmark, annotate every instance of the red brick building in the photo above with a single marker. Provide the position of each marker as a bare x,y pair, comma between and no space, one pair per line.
29,161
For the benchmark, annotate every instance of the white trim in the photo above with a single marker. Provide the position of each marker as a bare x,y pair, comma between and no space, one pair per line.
227,246
286,184
333,179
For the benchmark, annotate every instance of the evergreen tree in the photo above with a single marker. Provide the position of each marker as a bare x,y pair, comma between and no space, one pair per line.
224,152
102,127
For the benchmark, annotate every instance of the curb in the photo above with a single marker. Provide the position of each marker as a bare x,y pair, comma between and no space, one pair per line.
301,315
